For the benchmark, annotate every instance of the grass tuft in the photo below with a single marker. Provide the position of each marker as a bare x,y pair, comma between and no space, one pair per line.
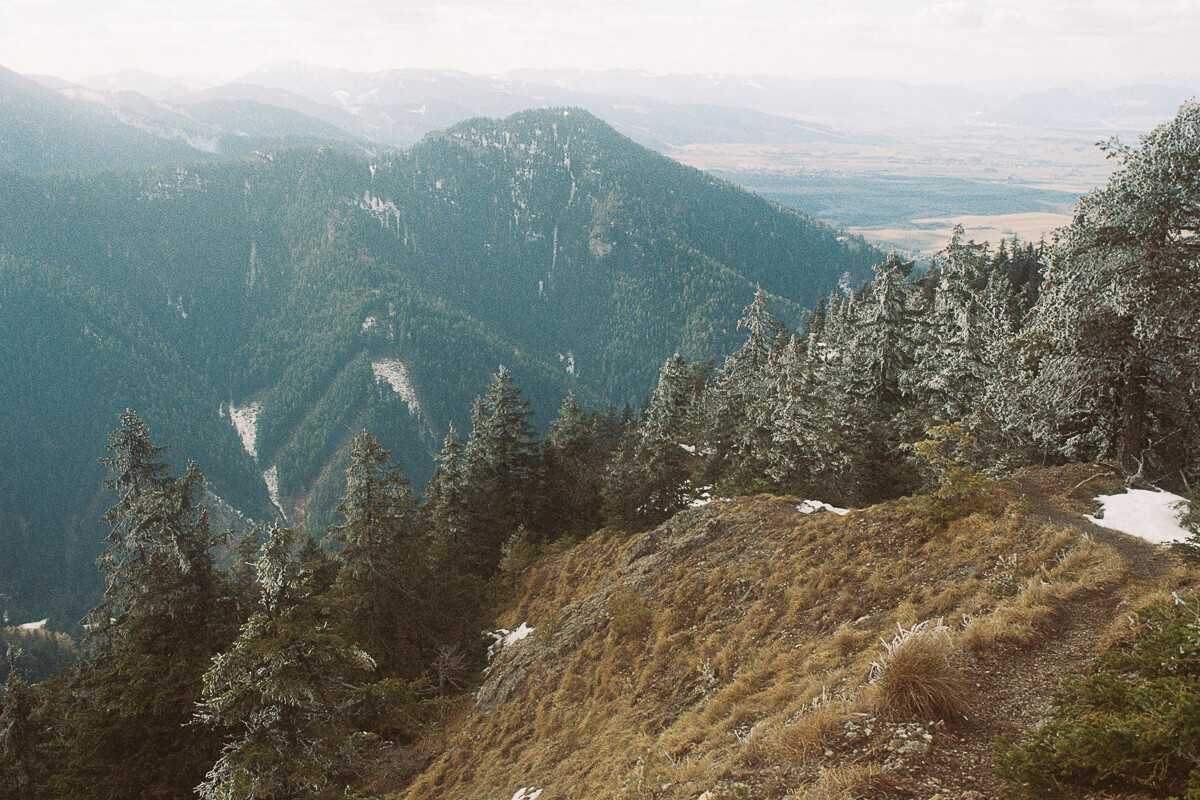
920,675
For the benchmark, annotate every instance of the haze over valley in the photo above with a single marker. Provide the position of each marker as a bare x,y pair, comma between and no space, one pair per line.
900,163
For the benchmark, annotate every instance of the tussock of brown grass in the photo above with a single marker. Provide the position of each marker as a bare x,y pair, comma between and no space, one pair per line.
920,675
797,741
852,782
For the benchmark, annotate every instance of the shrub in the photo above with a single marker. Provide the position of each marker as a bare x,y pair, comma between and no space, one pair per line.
1135,721
517,553
1190,519
958,489
920,675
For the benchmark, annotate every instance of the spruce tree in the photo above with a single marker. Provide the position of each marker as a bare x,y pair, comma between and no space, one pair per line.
23,766
446,494
739,407
649,478
165,612
1114,333
499,461
288,693
573,459
383,591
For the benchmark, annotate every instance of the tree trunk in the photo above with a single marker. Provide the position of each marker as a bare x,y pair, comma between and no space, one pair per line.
1133,414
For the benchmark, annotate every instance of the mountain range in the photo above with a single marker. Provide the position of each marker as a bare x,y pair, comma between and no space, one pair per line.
261,312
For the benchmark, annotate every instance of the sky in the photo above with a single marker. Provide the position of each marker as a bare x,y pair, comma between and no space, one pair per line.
953,41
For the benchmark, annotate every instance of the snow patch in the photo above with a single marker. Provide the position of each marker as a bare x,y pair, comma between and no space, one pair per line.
271,479
813,506
394,372
703,498
368,323
504,638
567,359
527,793
40,625
245,421
1153,516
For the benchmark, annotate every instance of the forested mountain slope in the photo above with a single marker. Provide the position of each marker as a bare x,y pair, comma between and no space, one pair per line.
308,294
44,129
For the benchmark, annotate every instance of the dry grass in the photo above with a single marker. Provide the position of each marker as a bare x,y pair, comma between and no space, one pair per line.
1070,566
752,644
920,675
852,782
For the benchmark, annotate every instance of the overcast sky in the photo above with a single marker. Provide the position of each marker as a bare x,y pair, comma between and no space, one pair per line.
1058,41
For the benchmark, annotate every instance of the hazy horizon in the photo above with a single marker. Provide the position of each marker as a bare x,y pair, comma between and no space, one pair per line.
1015,44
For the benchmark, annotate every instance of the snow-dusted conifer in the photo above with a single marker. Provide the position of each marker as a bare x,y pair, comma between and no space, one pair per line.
286,692
1116,328
649,477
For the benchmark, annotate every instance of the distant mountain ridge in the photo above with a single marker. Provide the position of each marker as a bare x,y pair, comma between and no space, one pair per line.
311,293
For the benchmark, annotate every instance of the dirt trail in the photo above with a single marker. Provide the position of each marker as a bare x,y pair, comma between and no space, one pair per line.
1014,685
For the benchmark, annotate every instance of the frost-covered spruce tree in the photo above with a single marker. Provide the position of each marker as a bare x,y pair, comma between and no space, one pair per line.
288,692
649,477
807,431
1115,334
739,408
813,426
882,348
383,591
950,360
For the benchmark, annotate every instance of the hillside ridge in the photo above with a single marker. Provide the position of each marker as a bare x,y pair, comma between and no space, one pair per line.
725,653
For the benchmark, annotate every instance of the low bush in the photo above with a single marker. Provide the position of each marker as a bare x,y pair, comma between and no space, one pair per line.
1133,722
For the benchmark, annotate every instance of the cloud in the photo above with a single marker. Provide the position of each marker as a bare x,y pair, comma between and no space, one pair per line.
912,39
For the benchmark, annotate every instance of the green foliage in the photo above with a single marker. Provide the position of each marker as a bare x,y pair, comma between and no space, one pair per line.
289,694
1190,519
957,488
1133,722
119,722
517,554
23,772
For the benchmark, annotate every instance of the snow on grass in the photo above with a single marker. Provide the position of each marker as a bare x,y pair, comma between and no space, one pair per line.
512,637
504,638
527,793
245,420
813,506
394,372
1153,516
